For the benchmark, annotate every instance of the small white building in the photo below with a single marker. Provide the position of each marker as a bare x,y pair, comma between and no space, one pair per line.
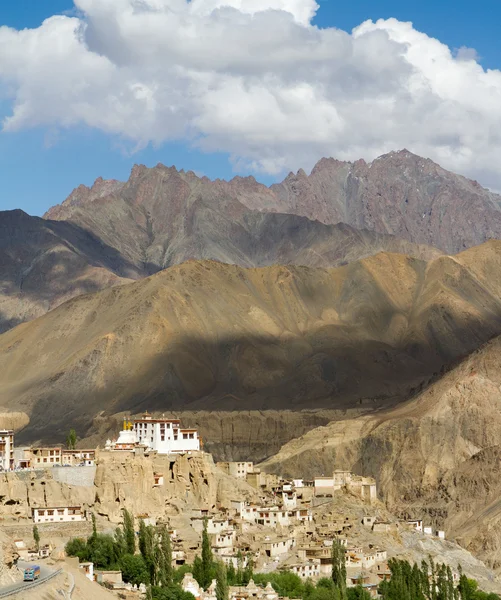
278,546
6,449
224,541
308,570
236,469
88,569
416,524
273,516
214,525
58,514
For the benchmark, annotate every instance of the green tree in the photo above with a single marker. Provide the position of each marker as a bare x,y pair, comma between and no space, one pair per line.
198,570
71,440
286,584
134,569
358,593
102,551
77,547
36,537
207,560
128,531
164,558
147,548
338,556
171,592
222,590
231,574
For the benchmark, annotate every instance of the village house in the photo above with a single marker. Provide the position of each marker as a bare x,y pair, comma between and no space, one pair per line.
46,457
223,542
236,469
416,524
321,554
214,525
277,546
272,516
88,569
111,577
6,449
75,458
364,486
57,514
22,457
306,570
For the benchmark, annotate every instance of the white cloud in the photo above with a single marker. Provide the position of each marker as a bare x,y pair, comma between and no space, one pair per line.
254,78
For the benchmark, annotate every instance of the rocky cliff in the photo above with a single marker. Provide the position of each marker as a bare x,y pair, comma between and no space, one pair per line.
122,481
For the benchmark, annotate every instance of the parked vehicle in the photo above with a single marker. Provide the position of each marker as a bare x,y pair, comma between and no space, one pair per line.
31,573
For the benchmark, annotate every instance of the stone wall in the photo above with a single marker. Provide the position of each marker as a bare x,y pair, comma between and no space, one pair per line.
77,476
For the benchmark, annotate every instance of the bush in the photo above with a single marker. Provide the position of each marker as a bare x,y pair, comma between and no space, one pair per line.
134,569
77,547
171,592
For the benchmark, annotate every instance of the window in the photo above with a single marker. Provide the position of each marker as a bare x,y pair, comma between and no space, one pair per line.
191,436
50,512
185,436
45,460
162,438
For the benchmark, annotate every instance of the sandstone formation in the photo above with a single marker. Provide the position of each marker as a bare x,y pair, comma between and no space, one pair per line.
209,336
436,455
122,480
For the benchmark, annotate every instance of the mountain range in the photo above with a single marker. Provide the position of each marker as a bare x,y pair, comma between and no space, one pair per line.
115,232
349,318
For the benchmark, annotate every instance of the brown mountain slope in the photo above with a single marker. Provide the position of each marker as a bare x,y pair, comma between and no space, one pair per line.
125,235
435,456
44,263
205,335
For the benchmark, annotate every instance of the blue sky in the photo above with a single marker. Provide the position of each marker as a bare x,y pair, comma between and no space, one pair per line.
40,165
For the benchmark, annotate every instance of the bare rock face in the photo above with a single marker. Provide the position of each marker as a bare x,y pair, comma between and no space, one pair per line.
209,336
123,481
400,193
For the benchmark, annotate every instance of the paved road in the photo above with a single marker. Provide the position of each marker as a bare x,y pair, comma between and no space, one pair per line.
16,587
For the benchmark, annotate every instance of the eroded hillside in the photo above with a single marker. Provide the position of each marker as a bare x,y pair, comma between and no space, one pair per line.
209,336
436,455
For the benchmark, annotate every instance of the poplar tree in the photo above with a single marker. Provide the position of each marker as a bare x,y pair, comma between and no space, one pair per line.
36,537
222,590
339,568
207,561
129,535
165,558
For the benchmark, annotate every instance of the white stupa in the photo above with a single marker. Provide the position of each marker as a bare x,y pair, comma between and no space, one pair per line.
126,438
